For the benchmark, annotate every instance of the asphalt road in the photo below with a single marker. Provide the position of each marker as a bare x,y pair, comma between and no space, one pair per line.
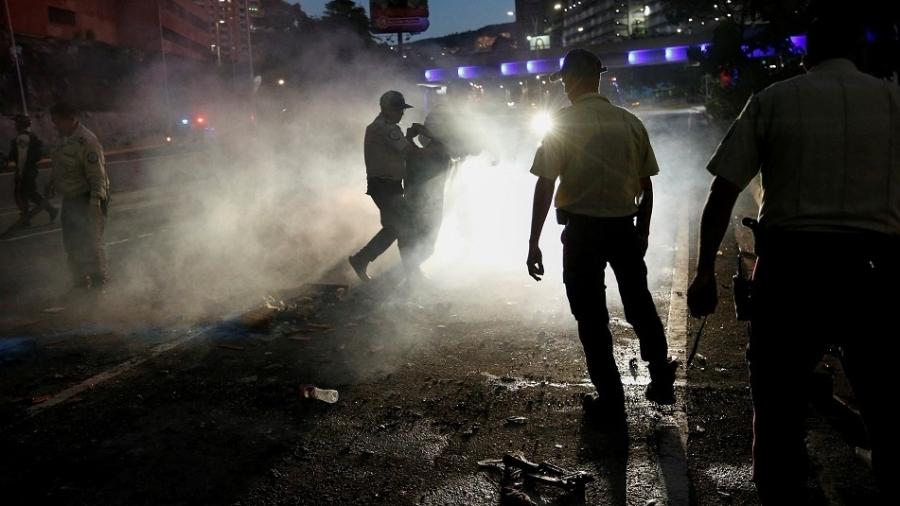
156,399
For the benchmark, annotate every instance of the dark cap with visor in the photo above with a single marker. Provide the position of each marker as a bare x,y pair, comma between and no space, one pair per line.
581,63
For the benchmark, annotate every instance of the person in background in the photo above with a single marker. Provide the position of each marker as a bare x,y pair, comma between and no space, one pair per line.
427,176
25,152
386,152
79,175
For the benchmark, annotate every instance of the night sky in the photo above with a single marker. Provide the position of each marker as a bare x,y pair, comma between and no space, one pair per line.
447,16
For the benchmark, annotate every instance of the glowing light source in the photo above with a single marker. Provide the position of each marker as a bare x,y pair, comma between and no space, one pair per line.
557,7
513,68
468,72
542,66
281,82
201,120
185,121
168,138
432,75
676,54
541,123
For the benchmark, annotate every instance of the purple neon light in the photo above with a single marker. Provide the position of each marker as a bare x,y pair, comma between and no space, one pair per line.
432,75
513,68
799,42
676,53
644,56
542,66
468,72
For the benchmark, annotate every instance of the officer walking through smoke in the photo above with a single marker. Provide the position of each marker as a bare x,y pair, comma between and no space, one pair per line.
25,152
828,146
386,153
79,174
602,156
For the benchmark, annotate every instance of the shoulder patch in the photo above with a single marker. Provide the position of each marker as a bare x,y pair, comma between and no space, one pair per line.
93,157
395,134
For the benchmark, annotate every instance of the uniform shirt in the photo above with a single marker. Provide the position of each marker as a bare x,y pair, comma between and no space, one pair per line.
600,152
385,150
22,142
827,145
79,166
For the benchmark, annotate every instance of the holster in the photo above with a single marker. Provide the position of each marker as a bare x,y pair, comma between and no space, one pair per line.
742,287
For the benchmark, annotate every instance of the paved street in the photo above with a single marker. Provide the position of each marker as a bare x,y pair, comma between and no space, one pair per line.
105,407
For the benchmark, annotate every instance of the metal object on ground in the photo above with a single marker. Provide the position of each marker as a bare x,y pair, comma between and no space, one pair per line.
693,353
520,472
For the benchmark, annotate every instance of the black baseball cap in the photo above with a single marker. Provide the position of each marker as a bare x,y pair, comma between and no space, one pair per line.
393,100
579,62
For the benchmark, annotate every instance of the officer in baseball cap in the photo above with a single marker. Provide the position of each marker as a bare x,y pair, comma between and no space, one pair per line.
602,157
579,62
386,151
393,100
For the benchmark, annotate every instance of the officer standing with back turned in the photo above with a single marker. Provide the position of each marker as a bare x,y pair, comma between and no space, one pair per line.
602,156
827,145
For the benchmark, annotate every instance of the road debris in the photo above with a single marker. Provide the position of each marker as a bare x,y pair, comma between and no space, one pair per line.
54,310
521,475
633,367
321,394
516,420
258,319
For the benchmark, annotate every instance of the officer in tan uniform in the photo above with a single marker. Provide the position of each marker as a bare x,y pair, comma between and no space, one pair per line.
827,145
386,152
602,156
79,175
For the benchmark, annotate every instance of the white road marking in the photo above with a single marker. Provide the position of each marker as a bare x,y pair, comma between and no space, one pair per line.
19,238
658,460
106,375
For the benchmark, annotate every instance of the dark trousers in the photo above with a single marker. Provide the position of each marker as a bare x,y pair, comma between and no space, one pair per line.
589,244
812,290
395,222
82,228
425,201
26,193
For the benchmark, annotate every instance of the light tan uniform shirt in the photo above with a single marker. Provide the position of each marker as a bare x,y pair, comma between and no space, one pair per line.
79,167
599,152
827,145
385,150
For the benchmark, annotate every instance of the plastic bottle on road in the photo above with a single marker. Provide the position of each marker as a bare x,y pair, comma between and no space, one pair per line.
311,392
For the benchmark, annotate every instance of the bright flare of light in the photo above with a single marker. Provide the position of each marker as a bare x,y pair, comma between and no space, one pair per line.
281,82
541,123
557,7
201,120
168,139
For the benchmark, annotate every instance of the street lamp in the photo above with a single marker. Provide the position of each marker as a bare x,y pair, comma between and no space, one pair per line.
557,7
281,82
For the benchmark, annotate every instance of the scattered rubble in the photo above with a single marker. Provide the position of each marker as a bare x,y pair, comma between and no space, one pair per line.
516,420
521,478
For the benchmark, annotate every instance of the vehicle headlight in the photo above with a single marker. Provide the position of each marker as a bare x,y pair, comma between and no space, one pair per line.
542,123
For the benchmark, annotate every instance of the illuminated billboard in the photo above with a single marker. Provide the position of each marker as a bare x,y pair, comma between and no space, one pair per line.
399,16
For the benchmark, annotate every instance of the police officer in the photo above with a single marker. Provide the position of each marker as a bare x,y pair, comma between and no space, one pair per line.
602,156
25,152
386,153
827,144
79,174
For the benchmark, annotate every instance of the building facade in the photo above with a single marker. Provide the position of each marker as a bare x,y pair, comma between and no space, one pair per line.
588,22
229,28
177,27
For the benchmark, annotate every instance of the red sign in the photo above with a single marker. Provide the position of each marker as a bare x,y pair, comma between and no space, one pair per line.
399,16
